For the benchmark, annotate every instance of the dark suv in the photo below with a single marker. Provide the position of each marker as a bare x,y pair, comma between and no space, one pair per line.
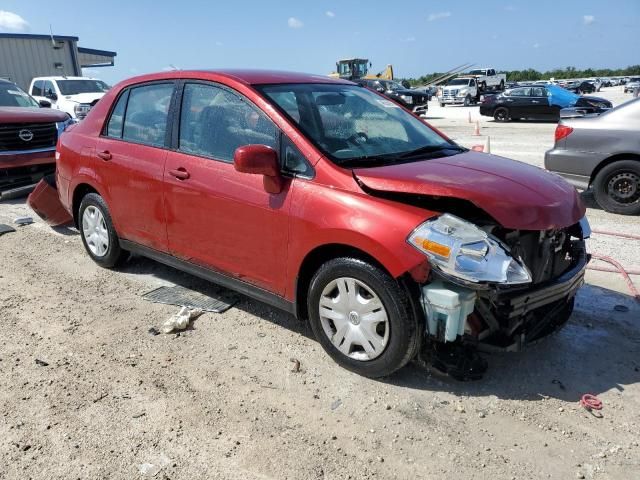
413,100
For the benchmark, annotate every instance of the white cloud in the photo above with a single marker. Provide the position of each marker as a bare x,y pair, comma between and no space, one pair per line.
219,43
438,16
588,19
12,21
536,45
409,39
330,14
510,8
294,22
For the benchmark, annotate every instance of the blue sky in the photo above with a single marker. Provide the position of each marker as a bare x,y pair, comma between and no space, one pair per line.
415,36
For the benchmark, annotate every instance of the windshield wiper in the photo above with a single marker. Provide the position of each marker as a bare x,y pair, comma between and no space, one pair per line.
384,158
430,149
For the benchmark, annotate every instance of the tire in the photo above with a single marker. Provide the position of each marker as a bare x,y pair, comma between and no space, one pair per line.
501,85
483,86
616,187
467,101
396,335
501,114
98,235
441,105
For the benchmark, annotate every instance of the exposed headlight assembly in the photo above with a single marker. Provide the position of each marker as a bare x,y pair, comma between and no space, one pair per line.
461,250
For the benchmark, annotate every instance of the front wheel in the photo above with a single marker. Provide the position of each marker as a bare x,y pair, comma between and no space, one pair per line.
362,317
501,114
441,105
616,187
97,232
467,100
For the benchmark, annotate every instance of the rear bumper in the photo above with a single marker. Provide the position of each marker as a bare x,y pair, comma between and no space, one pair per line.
44,200
575,167
486,111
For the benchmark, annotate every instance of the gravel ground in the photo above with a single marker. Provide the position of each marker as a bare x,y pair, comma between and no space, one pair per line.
88,392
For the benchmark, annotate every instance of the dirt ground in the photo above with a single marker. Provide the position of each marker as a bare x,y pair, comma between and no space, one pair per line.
87,392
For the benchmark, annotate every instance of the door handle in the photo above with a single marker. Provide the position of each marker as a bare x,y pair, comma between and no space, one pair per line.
535,101
180,173
105,155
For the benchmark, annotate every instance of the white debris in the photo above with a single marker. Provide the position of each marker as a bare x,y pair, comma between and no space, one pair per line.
152,469
180,320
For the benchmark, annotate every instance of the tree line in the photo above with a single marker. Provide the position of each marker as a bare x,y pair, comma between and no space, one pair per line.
531,74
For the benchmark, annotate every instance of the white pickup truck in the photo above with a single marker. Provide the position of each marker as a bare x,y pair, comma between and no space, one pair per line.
462,90
74,95
488,79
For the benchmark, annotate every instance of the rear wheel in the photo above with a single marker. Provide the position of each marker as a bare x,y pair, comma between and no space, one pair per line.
97,232
441,105
616,187
362,317
467,100
501,85
501,114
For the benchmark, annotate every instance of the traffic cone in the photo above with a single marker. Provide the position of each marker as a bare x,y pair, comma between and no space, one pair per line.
470,118
476,131
478,148
487,145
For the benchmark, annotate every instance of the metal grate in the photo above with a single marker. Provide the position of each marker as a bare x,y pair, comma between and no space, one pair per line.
177,295
27,136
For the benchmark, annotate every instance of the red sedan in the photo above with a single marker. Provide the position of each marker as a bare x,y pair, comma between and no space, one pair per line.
329,201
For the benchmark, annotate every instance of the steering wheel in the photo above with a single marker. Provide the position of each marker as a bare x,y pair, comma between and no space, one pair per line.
358,138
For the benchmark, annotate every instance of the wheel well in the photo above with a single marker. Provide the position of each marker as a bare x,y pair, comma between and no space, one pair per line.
610,160
78,194
314,260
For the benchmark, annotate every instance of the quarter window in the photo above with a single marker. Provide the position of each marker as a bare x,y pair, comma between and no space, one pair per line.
146,114
215,122
114,128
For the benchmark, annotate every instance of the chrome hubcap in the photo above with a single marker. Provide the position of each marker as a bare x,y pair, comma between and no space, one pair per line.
94,230
354,319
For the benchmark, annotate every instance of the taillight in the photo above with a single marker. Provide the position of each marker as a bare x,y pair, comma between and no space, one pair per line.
562,131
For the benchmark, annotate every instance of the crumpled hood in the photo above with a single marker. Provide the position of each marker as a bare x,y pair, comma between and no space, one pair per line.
517,195
84,97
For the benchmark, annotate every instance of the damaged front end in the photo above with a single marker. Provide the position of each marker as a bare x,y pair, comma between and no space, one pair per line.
494,289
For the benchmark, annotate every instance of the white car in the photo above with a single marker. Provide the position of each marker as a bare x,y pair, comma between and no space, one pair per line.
74,95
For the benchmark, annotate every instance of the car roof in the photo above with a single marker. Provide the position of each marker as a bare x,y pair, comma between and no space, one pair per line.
246,76
60,77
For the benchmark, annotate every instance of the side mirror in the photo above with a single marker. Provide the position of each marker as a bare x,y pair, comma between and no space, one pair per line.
53,96
45,103
260,160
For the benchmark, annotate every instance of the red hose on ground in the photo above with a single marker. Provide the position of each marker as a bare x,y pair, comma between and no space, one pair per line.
591,402
618,267
616,234
622,271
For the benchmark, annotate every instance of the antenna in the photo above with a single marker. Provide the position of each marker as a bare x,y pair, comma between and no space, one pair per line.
53,42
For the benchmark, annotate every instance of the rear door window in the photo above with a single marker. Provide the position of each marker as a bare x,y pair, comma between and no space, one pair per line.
214,122
146,114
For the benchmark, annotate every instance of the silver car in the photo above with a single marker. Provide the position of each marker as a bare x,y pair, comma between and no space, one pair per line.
602,152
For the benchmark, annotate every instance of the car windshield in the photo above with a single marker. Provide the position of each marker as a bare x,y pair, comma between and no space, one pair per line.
13,96
355,127
459,81
74,87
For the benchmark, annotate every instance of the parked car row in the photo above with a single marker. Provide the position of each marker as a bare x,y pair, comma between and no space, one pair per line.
537,102
399,241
